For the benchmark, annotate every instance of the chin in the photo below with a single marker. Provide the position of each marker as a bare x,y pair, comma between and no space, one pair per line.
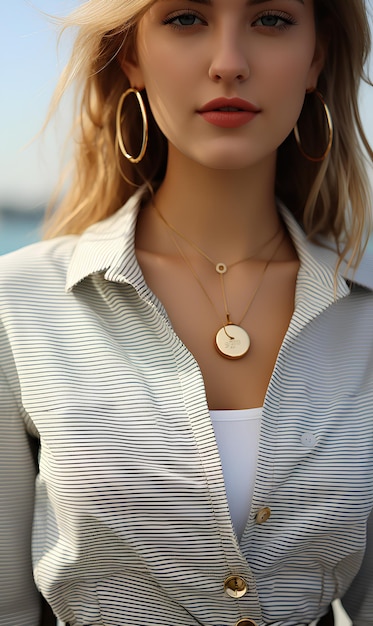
229,162
233,157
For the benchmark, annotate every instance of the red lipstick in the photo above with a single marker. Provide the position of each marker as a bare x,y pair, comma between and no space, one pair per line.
228,112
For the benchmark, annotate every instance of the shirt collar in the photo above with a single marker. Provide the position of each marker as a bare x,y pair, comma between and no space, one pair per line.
109,247
324,255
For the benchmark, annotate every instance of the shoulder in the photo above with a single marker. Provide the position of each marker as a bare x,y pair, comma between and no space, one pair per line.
360,275
36,267
44,255
363,275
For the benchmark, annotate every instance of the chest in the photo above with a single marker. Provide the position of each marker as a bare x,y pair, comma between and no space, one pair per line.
197,307
128,397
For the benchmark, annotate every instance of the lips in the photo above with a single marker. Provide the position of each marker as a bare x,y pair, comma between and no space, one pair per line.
228,112
229,105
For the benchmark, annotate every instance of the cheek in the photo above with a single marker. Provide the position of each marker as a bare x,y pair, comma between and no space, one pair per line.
292,70
168,84
288,81
163,103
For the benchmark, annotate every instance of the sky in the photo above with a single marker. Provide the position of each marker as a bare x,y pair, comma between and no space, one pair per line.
30,66
29,69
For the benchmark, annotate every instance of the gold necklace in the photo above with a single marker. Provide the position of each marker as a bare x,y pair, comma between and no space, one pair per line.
231,340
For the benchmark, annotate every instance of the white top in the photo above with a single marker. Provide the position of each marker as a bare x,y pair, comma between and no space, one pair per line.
237,436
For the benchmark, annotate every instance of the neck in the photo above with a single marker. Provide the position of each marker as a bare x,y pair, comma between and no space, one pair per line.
227,213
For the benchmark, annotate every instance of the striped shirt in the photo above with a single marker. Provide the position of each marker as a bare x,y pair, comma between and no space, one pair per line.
131,521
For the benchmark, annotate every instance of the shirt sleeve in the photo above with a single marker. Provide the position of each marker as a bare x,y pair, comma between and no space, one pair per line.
358,601
19,599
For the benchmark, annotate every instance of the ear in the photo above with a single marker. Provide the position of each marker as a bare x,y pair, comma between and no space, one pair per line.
131,67
318,62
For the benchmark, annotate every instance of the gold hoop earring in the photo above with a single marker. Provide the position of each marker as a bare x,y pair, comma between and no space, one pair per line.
145,127
330,132
120,170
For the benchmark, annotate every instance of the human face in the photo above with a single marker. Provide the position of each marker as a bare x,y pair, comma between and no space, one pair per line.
192,52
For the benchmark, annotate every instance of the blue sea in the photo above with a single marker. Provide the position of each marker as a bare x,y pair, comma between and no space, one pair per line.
19,228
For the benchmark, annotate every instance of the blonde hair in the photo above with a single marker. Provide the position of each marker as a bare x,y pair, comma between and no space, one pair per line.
331,199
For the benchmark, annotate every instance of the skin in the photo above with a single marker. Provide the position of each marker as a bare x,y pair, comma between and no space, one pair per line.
219,185
226,52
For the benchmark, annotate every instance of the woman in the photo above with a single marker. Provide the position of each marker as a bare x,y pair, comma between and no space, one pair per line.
197,365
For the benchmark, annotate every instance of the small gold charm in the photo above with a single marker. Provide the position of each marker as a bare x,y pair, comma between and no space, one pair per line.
221,268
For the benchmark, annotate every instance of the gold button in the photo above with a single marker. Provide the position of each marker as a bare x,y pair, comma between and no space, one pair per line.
246,622
263,515
235,586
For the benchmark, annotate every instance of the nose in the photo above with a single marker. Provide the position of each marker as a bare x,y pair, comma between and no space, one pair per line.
229,62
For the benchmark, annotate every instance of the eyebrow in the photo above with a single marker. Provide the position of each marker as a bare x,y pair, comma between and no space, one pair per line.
249,2
262,1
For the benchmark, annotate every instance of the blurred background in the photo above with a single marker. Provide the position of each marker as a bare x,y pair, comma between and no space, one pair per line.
30,66
28,71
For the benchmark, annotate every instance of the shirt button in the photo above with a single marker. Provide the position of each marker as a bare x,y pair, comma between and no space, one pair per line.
246,621
308,439
263,515
235,586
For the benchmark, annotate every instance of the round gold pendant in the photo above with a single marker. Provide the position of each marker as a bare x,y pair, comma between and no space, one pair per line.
232,341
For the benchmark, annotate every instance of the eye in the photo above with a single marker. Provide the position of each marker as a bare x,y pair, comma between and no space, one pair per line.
278,21
183,20
269,20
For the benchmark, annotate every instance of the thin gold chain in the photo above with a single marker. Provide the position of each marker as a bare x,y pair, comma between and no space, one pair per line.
262,278
197,278
172,230
204,254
